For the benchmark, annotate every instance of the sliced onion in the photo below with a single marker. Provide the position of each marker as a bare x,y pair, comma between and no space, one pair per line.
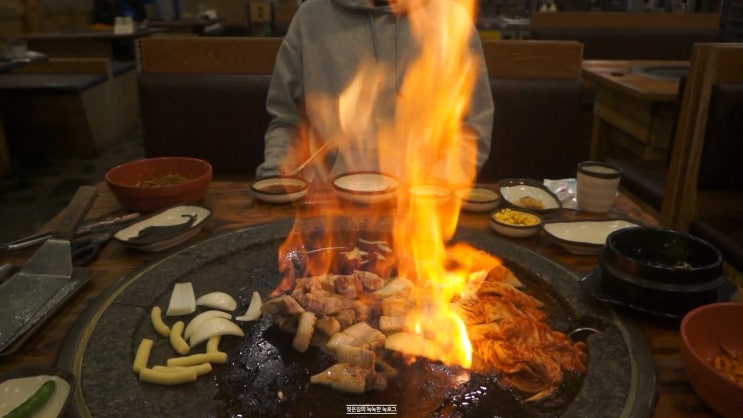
217,300
212,327
254,309
200,319
182,300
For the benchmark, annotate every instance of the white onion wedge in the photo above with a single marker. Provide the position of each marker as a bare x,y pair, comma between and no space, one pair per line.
214,326
254,309
182,300
217,300
200,319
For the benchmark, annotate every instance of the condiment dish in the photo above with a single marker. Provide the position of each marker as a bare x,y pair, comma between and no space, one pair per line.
514,222
528,194
279,189
478,199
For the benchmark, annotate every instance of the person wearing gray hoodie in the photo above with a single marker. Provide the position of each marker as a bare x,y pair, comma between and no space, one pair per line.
325,45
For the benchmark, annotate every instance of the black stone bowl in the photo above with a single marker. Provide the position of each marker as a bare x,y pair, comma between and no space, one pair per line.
661,270
663,256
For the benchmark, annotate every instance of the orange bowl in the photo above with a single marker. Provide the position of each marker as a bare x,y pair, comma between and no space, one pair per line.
131,182
702,331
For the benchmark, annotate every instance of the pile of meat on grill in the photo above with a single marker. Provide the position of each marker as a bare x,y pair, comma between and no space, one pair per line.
358,316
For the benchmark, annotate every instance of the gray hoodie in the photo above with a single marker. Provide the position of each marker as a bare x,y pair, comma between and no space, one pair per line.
320,54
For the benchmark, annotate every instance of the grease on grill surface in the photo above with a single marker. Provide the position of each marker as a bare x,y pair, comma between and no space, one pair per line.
266,364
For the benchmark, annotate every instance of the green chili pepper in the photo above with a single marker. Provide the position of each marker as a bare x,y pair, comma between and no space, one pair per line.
34,402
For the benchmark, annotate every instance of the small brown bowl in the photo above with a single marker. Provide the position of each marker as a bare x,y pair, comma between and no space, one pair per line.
279,189
704,331
151,184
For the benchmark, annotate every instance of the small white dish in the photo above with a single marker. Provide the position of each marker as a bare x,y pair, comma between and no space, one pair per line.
528,194
365,187
584,237
279,189
478,199
17,385
521,223
164,229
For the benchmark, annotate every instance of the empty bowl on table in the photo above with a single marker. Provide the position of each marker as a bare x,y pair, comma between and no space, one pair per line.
709,332
279,189
659,271
583,237
478,199
150,184
365,187
514,222
528,194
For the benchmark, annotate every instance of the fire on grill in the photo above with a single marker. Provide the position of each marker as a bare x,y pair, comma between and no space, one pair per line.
418,295
356,316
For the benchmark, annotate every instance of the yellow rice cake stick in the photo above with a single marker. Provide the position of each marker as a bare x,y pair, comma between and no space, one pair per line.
156,317
142,355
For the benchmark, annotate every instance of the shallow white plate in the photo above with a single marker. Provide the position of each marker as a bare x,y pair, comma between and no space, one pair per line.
365,187
584,237
279,189
164,229
521,192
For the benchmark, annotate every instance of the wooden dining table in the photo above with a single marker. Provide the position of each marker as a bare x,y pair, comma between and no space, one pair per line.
633,110
234,207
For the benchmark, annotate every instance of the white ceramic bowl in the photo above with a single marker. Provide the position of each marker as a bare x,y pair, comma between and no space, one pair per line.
527,222
478,199
528,194
279,189
365,187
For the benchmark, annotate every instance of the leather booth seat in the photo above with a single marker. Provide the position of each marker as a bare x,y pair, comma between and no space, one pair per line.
534,128
632,43
221,118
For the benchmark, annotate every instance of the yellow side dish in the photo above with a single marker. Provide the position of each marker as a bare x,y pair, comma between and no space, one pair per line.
515,217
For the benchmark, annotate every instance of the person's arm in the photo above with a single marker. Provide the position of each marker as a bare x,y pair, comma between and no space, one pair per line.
284,101
479,120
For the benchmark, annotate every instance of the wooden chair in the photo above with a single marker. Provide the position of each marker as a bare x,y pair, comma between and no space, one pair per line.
205,97
536,89
704,190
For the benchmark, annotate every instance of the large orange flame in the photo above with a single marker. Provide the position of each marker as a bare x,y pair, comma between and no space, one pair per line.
431,147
